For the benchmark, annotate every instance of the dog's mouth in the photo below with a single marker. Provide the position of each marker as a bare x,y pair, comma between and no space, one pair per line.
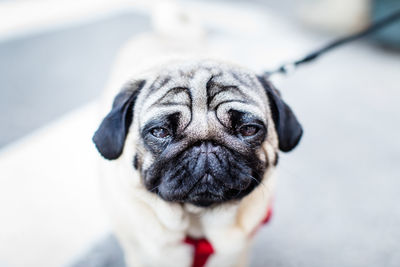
205,192
204,199
209,190
204,177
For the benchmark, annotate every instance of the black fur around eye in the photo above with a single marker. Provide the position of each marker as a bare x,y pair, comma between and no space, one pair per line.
249,130
160,132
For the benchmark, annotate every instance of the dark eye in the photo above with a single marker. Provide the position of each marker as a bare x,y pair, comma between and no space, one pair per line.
248,130
160,132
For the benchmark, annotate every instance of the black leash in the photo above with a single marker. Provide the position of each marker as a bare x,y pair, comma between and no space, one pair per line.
286,68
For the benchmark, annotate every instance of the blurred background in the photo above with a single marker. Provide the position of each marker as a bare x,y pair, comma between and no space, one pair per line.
337,194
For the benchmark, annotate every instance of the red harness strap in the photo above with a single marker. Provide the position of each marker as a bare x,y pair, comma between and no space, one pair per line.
203,248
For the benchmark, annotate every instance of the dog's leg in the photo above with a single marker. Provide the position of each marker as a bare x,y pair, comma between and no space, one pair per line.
166,255
230,230
150,231
147,242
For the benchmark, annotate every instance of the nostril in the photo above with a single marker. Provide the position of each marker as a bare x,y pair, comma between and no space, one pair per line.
198,143
207,146
214,143
212,146
200,146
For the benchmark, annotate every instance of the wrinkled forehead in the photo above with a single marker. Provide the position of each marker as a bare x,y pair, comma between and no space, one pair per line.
197,89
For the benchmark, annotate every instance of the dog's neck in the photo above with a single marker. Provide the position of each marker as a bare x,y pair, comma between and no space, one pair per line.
190,220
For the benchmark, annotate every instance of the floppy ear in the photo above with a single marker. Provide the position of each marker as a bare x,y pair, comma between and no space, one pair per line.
111,134
287,126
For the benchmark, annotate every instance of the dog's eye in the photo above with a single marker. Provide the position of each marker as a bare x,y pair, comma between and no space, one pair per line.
160,132
248,130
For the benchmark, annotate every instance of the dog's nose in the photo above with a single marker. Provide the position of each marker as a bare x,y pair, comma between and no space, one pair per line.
206,146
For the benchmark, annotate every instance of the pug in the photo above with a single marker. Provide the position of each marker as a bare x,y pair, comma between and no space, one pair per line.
190,149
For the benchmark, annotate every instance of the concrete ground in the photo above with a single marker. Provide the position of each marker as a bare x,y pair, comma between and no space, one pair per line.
337,193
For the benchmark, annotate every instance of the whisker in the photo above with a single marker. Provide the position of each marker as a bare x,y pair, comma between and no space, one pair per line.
151,190
240,191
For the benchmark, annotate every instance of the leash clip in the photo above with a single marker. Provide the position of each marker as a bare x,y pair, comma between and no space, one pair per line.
287,68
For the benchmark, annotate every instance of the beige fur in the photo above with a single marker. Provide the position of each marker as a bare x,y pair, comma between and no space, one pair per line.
150,230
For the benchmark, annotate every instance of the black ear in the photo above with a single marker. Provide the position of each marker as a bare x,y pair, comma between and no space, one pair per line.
110,136
288,127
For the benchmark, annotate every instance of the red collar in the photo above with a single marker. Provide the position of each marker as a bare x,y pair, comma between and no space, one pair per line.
203,248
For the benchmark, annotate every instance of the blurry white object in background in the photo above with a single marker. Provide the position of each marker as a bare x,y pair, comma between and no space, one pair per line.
336,16
171,20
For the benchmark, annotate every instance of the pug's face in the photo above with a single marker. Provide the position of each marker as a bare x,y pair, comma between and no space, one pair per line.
207,131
